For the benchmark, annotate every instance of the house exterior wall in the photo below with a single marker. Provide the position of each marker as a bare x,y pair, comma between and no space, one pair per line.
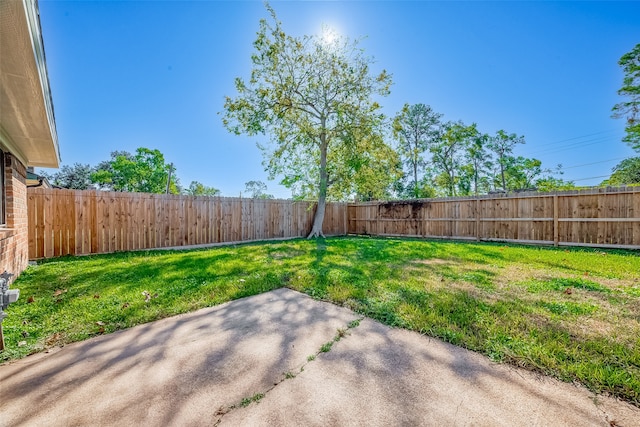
14,244
28,134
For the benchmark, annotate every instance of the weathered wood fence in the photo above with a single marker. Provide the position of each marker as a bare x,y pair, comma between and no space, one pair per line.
602,217
68,222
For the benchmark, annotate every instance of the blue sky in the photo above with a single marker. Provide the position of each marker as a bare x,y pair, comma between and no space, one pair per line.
154,74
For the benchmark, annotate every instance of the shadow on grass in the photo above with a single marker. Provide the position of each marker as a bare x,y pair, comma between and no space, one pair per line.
362,274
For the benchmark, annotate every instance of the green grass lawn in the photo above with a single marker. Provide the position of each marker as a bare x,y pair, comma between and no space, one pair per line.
570,313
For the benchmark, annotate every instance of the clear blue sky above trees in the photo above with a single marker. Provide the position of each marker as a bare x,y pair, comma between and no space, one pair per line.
154,74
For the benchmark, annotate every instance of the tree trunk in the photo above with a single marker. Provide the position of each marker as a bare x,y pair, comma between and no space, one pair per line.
453,183
316,230
475,182
415,178
501,155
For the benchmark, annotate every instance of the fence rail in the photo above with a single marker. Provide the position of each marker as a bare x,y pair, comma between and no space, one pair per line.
603,217
68,222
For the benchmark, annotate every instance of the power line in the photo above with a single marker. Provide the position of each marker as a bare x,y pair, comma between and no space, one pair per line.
574,138
591,177
574,145
609,135
594,163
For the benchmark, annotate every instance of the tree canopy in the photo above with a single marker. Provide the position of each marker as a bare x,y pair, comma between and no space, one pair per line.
75,177
257,190
144,172
627,172
629,109
199,189
447,154
502,145
314,98
455,159
416,128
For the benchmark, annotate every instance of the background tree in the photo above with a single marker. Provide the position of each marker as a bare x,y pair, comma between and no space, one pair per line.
143,172
309,95
415,128
477,162
627,172
198,189
521,173
426,188
257,190
550,183
76,177
102,176
630,108
446,154
502,145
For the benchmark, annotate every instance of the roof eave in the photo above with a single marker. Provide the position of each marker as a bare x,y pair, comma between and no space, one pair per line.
35,31
27,123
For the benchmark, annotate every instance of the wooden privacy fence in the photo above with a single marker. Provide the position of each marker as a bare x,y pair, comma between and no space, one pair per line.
602,217
68,222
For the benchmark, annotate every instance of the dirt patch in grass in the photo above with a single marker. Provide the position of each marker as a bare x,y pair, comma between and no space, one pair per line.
284,254
514,273
432,261
591,327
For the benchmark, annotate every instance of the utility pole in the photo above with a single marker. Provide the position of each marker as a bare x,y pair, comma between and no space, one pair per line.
169,178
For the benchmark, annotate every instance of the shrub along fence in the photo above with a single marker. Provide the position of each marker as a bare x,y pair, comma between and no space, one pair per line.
69,222
601,217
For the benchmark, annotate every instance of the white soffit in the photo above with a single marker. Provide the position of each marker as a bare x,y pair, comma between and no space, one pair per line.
27,122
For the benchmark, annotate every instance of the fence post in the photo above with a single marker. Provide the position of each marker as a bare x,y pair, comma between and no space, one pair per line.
477,219
555,220
346,218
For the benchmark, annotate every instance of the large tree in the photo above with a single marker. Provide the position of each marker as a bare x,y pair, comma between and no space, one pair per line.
416,128
311,96
143,172
630,108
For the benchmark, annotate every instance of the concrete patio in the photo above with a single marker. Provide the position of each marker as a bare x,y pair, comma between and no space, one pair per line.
246,363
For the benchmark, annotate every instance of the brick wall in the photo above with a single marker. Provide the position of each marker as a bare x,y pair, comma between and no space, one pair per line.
14,245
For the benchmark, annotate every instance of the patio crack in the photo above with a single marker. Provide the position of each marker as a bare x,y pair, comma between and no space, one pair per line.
341,333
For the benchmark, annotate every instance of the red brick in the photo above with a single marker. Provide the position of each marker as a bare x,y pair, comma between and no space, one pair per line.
14,246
